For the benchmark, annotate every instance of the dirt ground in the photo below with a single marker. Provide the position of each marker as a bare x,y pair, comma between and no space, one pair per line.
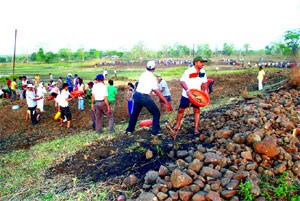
98,162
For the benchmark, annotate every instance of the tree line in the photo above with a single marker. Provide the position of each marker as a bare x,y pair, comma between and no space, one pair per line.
289,46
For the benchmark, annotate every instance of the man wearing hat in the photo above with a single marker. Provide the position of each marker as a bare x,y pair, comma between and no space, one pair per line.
31,99
147,84
100,104
164,89
193,78
70,82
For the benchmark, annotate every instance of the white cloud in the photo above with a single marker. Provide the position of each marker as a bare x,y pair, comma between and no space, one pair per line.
119,23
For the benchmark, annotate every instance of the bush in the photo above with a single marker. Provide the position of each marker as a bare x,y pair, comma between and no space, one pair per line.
295,76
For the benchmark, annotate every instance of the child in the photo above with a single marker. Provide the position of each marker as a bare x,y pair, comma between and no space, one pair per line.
63,104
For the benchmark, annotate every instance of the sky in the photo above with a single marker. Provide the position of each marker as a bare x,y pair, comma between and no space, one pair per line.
120,24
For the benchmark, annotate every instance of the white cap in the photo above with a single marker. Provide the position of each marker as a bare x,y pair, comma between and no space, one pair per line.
151,65
29,85
53,83
69,74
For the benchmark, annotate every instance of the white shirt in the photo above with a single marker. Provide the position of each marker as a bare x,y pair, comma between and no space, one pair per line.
81,88
41,90
192,79
163,84
30,95
61,99
55,89
147,83
99,91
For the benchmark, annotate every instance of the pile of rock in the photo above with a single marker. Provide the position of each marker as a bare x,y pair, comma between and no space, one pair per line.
256,137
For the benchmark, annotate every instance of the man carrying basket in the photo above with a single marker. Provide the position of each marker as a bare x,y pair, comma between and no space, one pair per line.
193,78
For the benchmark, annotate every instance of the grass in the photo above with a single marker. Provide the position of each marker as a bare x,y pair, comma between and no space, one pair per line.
89,72
22,171
278,187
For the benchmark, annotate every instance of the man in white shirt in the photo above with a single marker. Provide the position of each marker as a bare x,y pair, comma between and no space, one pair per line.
101,105
193,78
31,99
164,89
147,84
62,102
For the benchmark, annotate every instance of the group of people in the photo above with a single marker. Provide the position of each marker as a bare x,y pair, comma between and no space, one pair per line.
102,99
74,88
193,78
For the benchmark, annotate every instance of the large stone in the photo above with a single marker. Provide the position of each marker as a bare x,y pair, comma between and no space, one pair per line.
253,138
247,155
296,168
228,193
199,183
151,177
174,195
210,172
181,164
199,155
280,168
224,134
163,171
213,196
239,138
180,179
233,185
267,147
200,196
195,165
161,196
185,195
147,196
215,159
129,181
240,175
182,153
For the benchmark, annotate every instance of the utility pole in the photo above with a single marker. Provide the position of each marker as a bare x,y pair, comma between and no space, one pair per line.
14,59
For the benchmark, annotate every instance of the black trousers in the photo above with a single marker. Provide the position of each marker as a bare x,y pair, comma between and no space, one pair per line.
33,115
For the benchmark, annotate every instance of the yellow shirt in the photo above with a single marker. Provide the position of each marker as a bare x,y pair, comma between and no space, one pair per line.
13,85
261,75
37,79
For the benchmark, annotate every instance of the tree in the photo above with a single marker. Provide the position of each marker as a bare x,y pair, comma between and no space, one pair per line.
269,50
228,49
40,55
50,57
2,59
246,47
33,56
79,55
292,40
95,54
165,50
65,54
138,51
204,50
